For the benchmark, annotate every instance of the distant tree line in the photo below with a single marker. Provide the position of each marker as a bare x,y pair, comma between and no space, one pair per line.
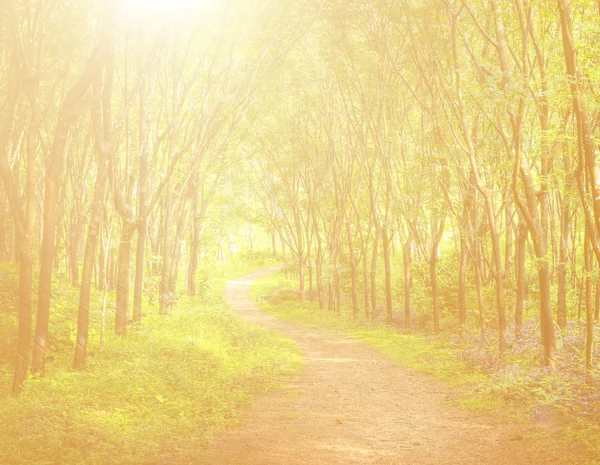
404,128
117,128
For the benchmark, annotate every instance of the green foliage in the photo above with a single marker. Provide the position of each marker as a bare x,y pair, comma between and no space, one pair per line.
157,395
418,351
8,312
516,387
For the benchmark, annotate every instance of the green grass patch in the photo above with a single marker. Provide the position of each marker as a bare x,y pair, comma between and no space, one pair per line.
156,396
417,351
440,356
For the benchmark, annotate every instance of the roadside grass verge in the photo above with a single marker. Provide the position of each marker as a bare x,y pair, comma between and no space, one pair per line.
156,396
538,402
417,351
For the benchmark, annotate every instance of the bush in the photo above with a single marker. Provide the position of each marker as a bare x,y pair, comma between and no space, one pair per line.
156,396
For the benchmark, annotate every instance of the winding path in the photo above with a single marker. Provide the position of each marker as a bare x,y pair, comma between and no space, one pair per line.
351,405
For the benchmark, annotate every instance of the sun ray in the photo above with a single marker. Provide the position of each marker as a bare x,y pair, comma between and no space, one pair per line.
171,6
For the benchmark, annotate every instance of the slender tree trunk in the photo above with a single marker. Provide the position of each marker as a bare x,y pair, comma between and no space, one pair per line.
142,194
330,296
597,302
89,257
3,228
155,233
434,291
101,257
124,265
284,252
589,317
112,269
520,276
165,296
139,272
319,264
47,253
499,278
180,230
52,186
365,278
437,234
194,249
374,276
309,264
301,279
407,283
74,233
301,283
462,282
465,237
26,265
509,211
353,274
477,275
388,275
273,242
561,269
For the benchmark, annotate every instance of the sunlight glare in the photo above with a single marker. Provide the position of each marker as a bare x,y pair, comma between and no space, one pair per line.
171,6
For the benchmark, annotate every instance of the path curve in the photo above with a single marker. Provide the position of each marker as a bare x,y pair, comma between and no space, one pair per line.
351,405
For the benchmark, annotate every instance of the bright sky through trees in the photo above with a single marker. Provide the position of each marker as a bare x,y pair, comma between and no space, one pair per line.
172,6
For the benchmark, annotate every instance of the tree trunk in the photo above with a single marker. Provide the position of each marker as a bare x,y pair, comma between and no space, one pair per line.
89,257
462,282
388,275
301,283
437,234
124,265
477,274
352,270
52,185
102,263
509,211
26,252
74,233
142,194
589,317
180,230
194,248
309,264
273,242
165,298
520,276
365,277
319,264
561,268
597,302
374,277
406,249
434,292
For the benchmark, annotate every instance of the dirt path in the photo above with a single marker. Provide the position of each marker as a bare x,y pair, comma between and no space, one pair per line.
351,405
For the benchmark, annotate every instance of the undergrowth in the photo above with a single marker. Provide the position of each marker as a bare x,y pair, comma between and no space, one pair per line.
156,396
515,387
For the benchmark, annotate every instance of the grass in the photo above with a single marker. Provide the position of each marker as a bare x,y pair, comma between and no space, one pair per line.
416,351
156,396
510,396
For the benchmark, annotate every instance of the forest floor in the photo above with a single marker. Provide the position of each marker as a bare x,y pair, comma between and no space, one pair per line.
350,404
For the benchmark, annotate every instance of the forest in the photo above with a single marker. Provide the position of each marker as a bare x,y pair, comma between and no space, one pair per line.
419,177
